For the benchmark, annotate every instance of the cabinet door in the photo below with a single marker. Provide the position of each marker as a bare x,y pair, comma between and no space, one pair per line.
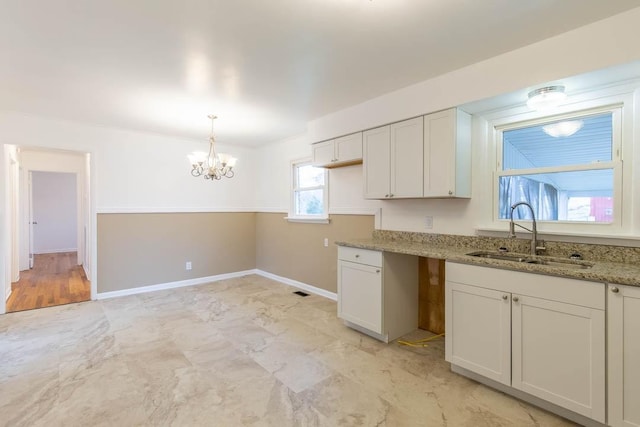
623,311
478,330
348,149
376,166
559,354
360,295
439,154
406,158
323,153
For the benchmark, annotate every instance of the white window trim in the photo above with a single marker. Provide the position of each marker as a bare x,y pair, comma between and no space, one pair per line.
311,219
621,98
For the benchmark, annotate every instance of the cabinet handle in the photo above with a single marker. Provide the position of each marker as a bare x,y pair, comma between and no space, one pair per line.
615,289
505,297
391,195
386,195
516,299
377,271
357,256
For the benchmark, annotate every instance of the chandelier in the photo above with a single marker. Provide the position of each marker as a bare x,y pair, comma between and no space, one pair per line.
212,165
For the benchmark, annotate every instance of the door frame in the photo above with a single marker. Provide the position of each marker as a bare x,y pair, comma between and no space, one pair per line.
87,216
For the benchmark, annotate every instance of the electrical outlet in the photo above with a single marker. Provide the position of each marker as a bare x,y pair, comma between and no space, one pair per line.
326,242
187,265
428,222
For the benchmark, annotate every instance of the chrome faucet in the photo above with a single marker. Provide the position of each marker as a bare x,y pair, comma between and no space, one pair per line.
534,232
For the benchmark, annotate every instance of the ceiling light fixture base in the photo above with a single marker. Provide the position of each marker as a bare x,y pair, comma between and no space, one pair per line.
546,97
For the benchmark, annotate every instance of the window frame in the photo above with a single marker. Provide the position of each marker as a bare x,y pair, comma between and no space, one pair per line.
619,101
314,218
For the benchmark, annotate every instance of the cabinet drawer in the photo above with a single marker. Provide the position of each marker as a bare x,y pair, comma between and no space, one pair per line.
361,256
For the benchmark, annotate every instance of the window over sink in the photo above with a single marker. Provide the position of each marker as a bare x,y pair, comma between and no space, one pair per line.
568,167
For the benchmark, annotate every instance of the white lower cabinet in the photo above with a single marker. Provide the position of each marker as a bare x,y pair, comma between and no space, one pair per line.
558,353
478,325
378,292
360,292
542,335
623,315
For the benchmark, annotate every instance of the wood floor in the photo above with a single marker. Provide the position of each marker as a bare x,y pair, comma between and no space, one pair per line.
55,279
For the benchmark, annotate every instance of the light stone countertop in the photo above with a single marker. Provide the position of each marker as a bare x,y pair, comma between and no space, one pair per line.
602,271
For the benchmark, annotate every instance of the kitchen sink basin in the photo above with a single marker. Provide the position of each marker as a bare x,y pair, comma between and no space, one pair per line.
548,261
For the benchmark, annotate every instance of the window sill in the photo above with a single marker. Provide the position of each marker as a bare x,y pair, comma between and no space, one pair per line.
308,220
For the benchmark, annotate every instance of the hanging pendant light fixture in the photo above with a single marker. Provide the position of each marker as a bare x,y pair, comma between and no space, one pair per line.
212,165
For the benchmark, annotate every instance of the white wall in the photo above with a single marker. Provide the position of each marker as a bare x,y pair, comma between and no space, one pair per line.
603,44
135,171
55,205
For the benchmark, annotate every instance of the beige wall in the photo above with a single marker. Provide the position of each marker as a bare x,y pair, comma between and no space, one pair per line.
147,249
296,250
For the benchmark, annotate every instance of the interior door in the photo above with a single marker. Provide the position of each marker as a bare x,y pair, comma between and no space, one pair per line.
31,223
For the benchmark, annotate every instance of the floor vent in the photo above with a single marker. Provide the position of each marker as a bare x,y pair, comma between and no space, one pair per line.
302,294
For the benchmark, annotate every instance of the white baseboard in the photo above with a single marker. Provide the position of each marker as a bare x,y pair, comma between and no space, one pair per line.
300,285
172,285
55,251
201,280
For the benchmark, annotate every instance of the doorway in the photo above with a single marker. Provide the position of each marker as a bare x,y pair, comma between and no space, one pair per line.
51,230
55,275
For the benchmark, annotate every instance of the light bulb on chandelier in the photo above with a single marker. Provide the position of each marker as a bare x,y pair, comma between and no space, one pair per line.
212,165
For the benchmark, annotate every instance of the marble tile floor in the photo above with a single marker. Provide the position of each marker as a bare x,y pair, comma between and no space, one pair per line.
238,352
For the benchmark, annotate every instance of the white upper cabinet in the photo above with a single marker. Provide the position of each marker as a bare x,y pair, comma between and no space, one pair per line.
447,154
392,157
376,149
343,151
425,157
406,158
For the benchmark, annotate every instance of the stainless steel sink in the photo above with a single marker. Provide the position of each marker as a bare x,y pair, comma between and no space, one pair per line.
548,261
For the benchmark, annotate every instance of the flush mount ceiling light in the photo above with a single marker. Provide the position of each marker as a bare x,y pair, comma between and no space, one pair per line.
546,97
563,129
212,165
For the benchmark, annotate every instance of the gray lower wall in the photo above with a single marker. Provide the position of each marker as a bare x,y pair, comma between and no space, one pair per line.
144,249
296,250
151,248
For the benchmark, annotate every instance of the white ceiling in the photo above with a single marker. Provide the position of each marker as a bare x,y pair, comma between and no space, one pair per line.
264,67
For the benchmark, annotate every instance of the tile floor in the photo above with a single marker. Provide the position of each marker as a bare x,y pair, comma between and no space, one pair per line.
237,352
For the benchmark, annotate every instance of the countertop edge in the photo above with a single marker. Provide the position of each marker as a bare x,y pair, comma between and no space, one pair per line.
604,272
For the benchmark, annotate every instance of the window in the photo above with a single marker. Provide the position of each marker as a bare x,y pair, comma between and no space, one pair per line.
309,195
567,168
